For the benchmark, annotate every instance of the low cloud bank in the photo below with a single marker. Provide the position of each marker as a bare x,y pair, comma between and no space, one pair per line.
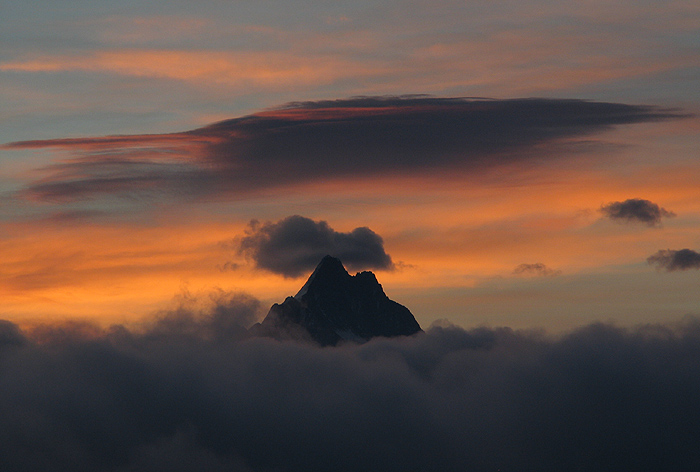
173,397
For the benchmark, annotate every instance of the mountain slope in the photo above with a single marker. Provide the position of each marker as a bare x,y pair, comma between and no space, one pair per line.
333,306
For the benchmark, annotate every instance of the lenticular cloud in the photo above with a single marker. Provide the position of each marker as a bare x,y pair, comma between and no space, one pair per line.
309,142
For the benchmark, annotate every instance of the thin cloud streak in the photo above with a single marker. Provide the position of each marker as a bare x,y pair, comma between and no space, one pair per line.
538,269
237,69
327,140
539,58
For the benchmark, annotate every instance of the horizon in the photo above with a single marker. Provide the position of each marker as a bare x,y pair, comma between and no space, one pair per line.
522,176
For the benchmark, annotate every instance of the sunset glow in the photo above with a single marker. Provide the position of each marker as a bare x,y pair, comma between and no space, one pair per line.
523,176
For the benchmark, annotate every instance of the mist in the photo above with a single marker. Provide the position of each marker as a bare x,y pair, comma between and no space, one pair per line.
172,395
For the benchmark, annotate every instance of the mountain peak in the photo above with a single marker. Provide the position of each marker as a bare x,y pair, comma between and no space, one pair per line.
330,262
333,306
329,270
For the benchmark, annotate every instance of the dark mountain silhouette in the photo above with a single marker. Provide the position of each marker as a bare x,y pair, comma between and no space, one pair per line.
333,306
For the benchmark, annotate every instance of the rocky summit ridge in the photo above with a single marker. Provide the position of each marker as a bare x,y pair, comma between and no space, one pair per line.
333,306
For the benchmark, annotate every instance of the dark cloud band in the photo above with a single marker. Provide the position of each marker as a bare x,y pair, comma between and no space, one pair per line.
295,245
311,141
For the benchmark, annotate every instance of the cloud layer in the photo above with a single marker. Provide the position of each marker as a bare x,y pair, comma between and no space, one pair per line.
636,210
172,397
295,245
537,269
317,141
673,260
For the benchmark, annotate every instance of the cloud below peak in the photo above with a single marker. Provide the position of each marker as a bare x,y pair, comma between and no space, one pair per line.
176,397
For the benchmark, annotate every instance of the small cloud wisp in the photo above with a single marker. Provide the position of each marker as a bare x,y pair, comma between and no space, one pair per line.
538,269
636,210
673,260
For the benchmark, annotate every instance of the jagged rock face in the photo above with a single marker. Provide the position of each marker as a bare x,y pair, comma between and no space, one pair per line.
333,306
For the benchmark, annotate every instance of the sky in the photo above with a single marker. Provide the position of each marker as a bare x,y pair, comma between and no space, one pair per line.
523,176
142,144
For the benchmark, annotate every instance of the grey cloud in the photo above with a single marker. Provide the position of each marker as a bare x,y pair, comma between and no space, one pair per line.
312,141
295,245
600,398
94,175
220,315
673,260
10,334
636,210
537,269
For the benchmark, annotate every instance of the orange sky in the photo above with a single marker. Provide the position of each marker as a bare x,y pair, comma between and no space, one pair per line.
522,175
124,191
459,237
